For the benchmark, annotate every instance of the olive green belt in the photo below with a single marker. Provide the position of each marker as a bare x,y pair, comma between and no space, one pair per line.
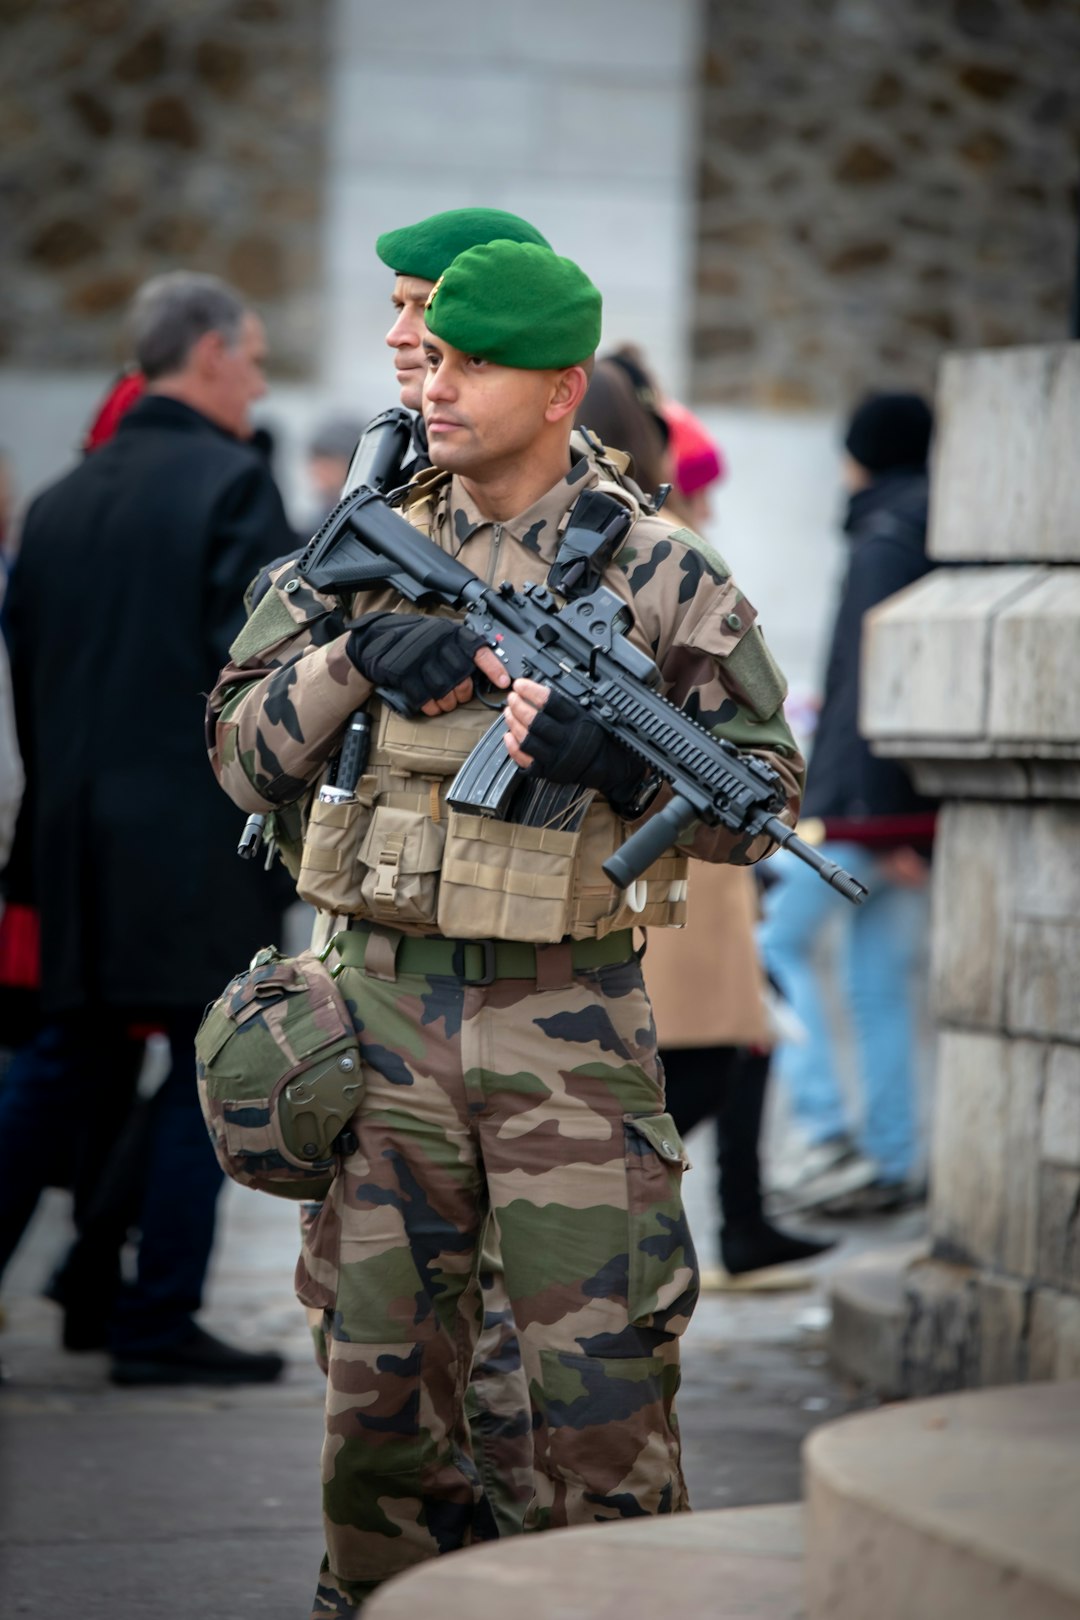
478,961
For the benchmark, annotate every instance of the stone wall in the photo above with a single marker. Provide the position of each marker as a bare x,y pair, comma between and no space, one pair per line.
139,135
877,183
580,117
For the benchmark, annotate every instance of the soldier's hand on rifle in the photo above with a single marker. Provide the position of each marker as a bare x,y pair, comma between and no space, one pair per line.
548,735
428,659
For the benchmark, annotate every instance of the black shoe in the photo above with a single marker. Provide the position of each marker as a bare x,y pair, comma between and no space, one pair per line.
199,1359
85,1288
753,1247
85,1330
86,1315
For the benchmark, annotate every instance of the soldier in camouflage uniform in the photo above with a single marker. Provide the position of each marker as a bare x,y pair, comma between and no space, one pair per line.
507,1041
497,1399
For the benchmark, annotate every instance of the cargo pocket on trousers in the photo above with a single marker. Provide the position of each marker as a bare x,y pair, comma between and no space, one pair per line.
663,1274
317,1266
604,1419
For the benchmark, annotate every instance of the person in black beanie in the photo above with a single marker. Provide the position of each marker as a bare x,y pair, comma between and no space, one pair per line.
889,434
873,822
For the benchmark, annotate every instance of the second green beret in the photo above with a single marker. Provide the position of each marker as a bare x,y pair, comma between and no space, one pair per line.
427,248
517,305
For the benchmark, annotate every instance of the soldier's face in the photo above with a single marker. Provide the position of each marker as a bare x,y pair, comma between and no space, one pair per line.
479,415
406,337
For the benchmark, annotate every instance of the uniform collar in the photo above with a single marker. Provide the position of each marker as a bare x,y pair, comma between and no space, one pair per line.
539,528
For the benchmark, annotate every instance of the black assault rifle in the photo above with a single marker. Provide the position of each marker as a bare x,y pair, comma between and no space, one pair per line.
580,650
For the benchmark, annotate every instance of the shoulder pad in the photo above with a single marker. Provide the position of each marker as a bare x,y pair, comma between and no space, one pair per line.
755,676
270,623
286,608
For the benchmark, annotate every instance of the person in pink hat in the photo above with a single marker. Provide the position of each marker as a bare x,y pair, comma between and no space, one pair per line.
696,462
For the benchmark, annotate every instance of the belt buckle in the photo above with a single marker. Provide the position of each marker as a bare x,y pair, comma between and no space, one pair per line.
457,961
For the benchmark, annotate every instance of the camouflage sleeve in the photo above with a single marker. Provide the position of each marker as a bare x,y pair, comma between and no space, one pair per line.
279,705
716,666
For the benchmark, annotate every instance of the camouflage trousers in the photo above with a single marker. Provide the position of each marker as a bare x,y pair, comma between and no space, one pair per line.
496,1401
543,1108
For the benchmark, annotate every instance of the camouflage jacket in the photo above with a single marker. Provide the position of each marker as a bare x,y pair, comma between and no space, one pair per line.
276,715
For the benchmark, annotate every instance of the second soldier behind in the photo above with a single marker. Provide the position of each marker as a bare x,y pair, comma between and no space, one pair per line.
517,1075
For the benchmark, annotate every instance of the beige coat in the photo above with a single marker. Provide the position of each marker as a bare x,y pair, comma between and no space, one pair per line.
705,980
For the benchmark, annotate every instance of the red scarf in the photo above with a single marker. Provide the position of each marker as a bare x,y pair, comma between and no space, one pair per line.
126,391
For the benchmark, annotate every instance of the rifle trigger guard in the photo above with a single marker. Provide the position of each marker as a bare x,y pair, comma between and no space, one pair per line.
479,695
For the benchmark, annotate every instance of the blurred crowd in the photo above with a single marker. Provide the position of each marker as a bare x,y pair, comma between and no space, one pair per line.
125,909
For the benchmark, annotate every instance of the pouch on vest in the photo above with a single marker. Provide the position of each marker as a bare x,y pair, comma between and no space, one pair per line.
379,855
329,874
431,745
656,900
504,880
399,861
279,1077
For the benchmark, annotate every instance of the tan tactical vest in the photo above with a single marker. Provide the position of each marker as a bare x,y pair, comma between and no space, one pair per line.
399,856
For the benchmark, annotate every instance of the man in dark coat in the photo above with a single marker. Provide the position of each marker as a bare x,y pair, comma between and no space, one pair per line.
886,528
145,909
876,825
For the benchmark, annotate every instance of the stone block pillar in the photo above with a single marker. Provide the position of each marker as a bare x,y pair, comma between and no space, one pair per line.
972,677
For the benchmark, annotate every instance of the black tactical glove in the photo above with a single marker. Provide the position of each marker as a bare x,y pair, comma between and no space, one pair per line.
419,656
567,746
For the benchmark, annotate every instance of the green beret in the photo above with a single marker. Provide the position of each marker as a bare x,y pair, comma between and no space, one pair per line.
517,305
427,249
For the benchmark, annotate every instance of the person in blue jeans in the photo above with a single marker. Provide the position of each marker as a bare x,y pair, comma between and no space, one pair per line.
881,944
869,818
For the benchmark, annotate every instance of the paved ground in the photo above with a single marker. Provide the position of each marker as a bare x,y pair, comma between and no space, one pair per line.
121,1505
